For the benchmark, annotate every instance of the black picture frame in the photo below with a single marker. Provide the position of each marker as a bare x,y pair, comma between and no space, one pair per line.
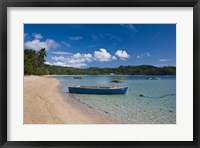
4,4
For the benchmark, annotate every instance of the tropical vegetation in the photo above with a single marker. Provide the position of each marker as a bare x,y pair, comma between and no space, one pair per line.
34,62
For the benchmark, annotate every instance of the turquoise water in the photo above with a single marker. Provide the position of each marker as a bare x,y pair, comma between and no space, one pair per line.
156,106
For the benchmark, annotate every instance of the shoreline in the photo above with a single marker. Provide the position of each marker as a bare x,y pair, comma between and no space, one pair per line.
106,75
44,103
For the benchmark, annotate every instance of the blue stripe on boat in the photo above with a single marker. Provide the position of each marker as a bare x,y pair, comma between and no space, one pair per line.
97,90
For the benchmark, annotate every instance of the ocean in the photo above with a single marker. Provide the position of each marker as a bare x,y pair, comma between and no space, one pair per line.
146,101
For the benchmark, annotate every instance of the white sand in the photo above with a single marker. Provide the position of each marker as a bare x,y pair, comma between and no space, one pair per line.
45,104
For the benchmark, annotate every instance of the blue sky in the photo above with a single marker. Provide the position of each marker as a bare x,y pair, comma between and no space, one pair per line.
103,45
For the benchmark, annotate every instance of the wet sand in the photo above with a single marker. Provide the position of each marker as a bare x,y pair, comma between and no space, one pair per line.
45,104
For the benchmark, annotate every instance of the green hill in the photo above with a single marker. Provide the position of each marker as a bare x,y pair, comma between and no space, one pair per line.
122,70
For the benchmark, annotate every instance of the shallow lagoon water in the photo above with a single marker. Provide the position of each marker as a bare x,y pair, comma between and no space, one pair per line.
156,106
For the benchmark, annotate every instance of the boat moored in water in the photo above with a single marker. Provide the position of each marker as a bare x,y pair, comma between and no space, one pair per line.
77,77
97,89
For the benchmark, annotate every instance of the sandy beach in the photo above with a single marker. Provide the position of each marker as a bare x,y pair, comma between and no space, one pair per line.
45,104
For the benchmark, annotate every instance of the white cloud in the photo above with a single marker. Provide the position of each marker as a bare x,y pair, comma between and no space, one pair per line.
77,60
87,55
64,64
143,55
62,53
102,55
66,44
80,60
164,60
76,38
51,43
82,57
37,36
77,55
122,54
48,63
36,44
59,64
77,65
114,58
58,58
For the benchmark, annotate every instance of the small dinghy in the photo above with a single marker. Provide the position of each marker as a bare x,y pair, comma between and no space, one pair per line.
97,90
77,77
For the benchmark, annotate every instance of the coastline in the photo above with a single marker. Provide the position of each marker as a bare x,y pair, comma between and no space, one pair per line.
104,75
45,104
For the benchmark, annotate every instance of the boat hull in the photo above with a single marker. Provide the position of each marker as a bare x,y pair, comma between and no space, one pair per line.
97,91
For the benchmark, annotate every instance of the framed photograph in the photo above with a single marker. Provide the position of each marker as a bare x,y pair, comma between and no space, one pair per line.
104,73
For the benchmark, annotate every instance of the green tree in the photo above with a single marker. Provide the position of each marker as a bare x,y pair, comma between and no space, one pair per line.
28,68
34,61
41,56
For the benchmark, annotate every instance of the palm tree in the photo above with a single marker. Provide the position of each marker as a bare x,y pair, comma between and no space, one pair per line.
41,55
